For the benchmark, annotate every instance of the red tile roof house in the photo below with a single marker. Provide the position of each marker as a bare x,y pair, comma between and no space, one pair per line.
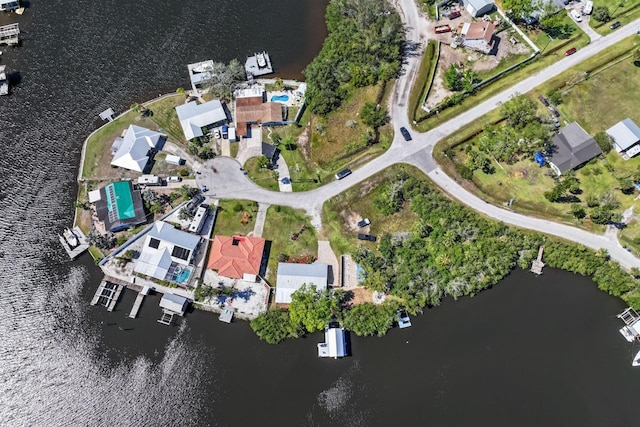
236,257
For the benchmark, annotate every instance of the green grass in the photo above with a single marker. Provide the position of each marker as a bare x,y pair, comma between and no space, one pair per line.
625,14
262,177
423,80
161,167
281,223
228,220
233,148
165,116
340,214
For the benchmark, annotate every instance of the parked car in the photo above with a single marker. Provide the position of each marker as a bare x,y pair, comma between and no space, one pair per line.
615,25
405,134
343,173
571,51
368,237
455,14
543,100
364,222
174,178
216,133
576,15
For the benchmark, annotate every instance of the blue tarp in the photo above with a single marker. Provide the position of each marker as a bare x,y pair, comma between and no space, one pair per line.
539,158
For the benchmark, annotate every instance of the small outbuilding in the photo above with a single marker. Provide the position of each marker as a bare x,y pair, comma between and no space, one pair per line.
572,147
174,304
626,138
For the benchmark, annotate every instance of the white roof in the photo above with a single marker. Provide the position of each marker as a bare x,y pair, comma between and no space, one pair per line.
174,303
292,277
133,151
154,263
194,116
479,4
625,133
249,92
334,338
168,233
94,196
3,2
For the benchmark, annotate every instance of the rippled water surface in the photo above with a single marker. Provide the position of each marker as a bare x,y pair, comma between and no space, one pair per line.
532,351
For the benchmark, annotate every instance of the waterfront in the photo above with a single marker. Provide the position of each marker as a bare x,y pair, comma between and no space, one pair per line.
532,351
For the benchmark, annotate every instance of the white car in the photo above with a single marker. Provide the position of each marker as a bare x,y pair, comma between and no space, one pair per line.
576,15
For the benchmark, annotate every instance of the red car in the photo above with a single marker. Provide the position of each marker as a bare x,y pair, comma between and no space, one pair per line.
571,51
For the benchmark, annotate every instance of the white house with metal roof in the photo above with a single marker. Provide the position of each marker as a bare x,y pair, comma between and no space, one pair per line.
626,138
9,5
132,151
334,345
292,277
165,251
478,7
193,117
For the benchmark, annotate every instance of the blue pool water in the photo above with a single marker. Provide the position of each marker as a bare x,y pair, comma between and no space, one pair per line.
183,276
279,98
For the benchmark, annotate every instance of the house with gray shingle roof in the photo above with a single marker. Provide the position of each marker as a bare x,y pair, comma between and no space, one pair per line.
572,147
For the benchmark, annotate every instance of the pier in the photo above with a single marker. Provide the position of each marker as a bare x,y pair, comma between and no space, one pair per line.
4,83
538,265
107,295
75,250
631,319
9,34
258,65
136,305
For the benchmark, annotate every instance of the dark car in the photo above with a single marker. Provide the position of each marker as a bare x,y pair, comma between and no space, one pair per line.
364,222
615,25
368,237
343,173
405,134
571,51
543,100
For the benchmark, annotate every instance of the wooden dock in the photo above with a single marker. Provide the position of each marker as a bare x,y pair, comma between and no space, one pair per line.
107,295
138,302
9,34
538,265
99,292
116,296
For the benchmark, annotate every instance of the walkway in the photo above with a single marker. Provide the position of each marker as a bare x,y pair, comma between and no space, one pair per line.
261,216
327,256
284,178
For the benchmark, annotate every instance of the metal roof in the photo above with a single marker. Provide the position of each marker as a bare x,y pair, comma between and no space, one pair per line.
625,134
194,116
292,277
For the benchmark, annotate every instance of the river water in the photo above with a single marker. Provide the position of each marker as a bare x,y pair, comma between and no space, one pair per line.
531,351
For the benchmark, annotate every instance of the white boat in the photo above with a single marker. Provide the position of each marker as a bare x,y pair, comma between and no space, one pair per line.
262,62
636,360
70,237
403,319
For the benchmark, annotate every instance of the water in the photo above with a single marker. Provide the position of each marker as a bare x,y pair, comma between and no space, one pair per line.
531,351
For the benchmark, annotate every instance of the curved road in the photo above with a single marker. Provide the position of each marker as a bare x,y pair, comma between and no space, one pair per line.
224,178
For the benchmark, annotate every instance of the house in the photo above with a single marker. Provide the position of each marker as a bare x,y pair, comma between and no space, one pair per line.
237,257
118,206
193,117
134,149
292,277
166,253
174,304
9,5
626,138
251,108
572,147
478,7
479,36
200,73
334,345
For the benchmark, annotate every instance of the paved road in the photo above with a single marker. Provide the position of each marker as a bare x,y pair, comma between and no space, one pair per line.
228,181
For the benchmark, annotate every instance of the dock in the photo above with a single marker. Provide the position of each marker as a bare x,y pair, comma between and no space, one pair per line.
258,65
107,295
4,83
538,265
226,316
82,245
631,319
9,34
136,305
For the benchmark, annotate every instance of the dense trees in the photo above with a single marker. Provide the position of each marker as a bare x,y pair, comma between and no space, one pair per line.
364,46
312,310
274,326
601,13
369,319
458,80
519,8
373,115
223,76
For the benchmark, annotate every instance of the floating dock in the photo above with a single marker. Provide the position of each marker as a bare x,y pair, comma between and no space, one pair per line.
9,34
538,265
4,83
136,305
258,65
226,316
631,319
107,295
76,250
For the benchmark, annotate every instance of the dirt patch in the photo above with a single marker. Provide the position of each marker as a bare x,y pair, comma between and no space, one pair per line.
304,148
360,296
351,219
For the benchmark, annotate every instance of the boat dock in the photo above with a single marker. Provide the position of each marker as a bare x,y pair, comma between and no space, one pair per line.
4,83
258,65
538,265
136,305
226,316
631,319
75,251
9,34
107,295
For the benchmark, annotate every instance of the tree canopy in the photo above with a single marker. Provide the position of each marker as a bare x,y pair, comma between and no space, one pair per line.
363,47
312,310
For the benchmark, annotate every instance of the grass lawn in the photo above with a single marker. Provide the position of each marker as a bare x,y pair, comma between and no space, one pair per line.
341,213
263,177
234,146
228,219
165,116
629,11
162,168
281,223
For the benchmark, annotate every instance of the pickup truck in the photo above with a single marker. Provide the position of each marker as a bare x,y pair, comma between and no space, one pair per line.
364,222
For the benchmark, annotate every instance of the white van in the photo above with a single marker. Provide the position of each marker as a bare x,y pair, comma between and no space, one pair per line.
576,15
174,178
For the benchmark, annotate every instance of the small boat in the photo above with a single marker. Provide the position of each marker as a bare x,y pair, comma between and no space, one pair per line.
20,11
70,237
636,360
403,319
262,62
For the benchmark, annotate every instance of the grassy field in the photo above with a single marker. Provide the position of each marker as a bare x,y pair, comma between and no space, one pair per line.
629,11
228,219
341,213
263,177
424,78
166,118
281,223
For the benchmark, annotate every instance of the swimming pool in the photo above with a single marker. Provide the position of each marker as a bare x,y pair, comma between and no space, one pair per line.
279,98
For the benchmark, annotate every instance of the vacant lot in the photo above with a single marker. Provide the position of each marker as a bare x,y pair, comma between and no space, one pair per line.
235,217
